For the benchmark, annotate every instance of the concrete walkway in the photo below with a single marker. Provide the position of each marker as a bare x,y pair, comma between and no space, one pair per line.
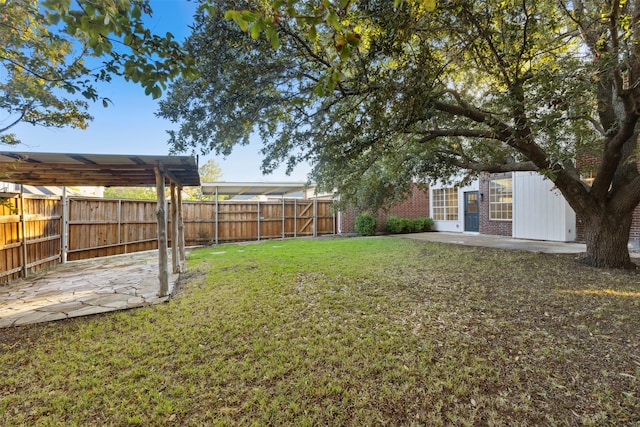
483,240
81,288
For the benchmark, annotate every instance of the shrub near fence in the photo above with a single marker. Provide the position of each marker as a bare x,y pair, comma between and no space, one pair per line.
103,227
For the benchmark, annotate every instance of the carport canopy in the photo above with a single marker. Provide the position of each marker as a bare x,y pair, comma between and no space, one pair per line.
66,169
109,170
254,188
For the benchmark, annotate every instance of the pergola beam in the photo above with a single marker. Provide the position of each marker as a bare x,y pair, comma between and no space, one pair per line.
163,269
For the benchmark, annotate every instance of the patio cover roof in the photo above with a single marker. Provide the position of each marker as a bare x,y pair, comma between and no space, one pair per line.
254,188
66,169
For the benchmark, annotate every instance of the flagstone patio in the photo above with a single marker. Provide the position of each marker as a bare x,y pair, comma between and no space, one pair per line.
81,288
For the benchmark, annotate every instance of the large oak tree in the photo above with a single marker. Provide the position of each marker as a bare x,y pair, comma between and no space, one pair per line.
380,93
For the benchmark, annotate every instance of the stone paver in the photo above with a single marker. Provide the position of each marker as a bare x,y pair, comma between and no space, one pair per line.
82,288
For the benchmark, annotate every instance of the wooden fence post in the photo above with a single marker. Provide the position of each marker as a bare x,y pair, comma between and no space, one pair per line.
120,223
258,220
23,220
182,254
174,229
334,218
64,227
217,208
315,216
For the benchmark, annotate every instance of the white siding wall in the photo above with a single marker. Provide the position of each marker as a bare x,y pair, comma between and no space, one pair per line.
539,211
454,226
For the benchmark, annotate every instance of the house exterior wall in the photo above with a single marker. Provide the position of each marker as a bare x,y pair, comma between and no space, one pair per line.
539,210
491,226
416,206
452,225
347,221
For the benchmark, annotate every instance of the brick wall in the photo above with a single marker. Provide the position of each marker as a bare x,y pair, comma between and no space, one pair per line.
347,221
416,206
487,226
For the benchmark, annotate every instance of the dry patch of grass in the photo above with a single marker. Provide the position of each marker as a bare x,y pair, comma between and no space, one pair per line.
366,331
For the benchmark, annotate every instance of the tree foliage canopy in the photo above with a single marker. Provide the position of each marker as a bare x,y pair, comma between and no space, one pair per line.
209,172
47,74
377,94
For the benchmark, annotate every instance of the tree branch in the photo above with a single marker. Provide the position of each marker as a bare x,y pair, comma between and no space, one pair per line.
18,120
30,71
470,133
490,168
304,45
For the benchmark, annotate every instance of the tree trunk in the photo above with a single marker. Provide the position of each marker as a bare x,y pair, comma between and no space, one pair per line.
607,237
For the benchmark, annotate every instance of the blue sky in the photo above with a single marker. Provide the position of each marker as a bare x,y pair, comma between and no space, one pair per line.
129,126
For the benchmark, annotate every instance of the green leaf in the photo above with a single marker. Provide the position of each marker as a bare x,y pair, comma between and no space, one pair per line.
272,35
331,85
275,41
313,33
430,5
345,52
256,29
332,19
249,16
243,24
53,18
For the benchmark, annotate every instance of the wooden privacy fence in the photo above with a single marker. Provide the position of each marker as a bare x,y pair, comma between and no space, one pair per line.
228,221
30,234
37,231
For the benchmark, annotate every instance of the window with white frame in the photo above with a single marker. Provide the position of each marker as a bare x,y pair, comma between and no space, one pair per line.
501,199
445,204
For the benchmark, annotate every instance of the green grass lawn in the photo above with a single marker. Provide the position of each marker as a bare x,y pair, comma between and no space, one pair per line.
360,331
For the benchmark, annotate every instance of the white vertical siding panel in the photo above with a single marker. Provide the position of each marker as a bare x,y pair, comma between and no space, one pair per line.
539,210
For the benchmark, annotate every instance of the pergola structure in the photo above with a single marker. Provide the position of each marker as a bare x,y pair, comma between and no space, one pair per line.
221,188
64,169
